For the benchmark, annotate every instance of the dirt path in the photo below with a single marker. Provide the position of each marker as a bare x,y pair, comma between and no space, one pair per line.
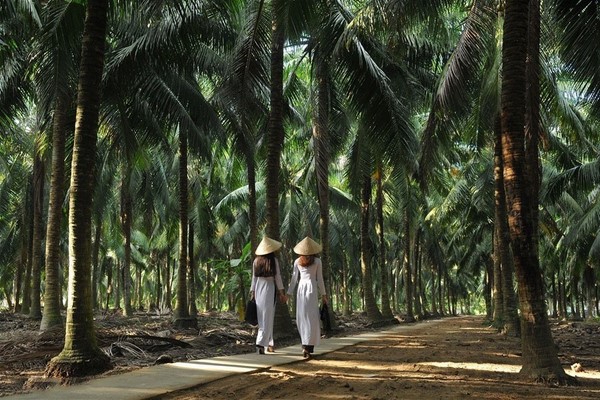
460,358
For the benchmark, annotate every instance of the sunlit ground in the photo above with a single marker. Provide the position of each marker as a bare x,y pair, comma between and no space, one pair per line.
465,361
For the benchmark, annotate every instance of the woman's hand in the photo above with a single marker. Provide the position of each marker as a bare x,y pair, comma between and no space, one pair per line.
282,297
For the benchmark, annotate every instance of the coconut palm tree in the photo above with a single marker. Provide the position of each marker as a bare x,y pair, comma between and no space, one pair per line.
81,354
540,359
61,94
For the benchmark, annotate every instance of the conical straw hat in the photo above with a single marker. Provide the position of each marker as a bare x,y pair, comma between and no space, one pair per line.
266,246
307,247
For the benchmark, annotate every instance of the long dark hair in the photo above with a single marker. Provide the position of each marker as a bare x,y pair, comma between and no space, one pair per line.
264,265
306,261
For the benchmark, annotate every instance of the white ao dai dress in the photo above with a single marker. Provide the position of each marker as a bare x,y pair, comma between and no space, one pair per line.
264,294
308,320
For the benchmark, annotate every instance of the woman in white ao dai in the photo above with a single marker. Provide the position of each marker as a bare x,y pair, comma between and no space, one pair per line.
308,275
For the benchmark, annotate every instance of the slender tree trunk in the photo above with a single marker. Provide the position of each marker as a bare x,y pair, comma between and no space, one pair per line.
386,310
207,287
394,281
182,318
126,221
139,298
366,253
81,355
434,279
35,311
442,278
51,316
22,274
275,139
417,276
559,296
498,294
275,134
589,280
554,297
410,316
19,271
571,296
108,269
321,144
118,284
167,284
346,310
155,262
25,307
192,273
489,282
95,261
252,216
532,117
509,318
540,359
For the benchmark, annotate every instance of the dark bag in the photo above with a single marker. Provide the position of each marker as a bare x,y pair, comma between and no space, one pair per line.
251,315
324,311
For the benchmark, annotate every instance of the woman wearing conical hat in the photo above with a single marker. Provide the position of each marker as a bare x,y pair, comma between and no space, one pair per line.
266,280
308,274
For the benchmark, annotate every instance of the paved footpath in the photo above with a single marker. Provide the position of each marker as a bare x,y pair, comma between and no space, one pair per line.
149,382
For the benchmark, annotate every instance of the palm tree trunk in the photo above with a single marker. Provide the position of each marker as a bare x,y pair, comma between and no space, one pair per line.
562,300
410,316
532,116
21,268
253,219
117,284
51,316
275,139
589,281
422,296
96,260
489,282
386,310
25,307
207,288
81,355
107,268
418,309
499,204
346,310
509,318
192,273
35,311
540,359
126,218
373,313
443,275
18,280
434,279
321,144
155,264
275,134
181,315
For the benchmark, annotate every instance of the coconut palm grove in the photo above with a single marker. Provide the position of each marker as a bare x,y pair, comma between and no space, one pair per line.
444,153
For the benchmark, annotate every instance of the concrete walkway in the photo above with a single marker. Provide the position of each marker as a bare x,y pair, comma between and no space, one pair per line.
154,381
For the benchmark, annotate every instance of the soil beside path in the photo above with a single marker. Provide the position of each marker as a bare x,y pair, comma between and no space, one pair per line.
459,358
